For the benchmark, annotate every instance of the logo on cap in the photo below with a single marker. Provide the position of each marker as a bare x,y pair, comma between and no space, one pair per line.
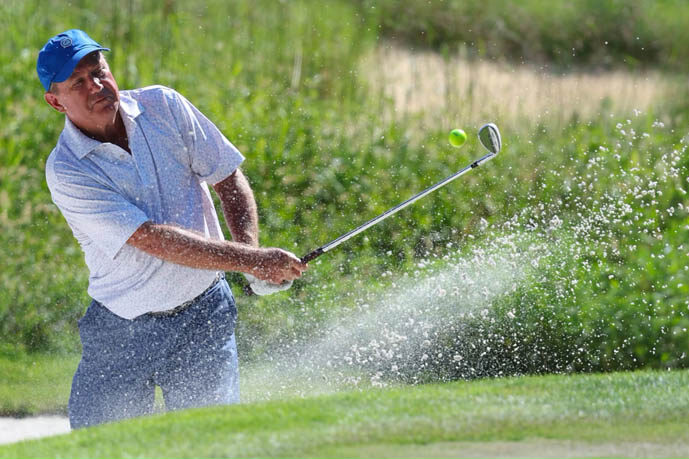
66,42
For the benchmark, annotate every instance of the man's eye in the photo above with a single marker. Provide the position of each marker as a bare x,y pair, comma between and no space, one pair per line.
77,84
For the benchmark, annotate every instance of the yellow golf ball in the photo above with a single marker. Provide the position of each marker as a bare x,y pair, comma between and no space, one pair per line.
457,137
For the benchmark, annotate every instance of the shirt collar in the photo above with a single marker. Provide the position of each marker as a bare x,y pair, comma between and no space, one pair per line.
82,144
129,106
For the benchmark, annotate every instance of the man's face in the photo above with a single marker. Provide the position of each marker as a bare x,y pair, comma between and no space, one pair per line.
89,97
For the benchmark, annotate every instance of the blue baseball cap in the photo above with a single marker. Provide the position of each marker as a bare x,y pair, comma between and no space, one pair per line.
58,58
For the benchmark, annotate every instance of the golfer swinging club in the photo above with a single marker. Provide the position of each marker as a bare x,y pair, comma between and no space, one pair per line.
129,174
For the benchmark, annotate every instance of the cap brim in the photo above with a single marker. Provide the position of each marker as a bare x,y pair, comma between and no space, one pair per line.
67,69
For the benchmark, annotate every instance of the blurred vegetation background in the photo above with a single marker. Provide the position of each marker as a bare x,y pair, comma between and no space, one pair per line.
343,108
560,35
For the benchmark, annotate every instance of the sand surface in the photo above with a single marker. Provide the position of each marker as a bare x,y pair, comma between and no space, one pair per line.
16,429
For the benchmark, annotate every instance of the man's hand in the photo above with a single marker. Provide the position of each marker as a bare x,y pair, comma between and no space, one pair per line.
261,287
276,265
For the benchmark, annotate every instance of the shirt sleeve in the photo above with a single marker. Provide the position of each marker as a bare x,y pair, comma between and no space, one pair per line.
212,157
93,210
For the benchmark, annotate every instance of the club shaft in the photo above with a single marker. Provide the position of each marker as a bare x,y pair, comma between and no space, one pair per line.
331,245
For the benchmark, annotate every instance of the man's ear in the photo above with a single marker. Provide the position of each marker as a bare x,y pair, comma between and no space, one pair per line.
54,102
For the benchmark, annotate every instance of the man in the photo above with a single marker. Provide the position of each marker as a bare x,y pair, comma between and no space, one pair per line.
129,174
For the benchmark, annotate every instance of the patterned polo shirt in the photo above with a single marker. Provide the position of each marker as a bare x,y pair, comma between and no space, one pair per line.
105,194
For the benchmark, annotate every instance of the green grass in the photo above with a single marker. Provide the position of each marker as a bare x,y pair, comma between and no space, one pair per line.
621,408
35,383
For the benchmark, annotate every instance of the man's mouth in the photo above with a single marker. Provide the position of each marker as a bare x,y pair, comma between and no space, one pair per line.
104,98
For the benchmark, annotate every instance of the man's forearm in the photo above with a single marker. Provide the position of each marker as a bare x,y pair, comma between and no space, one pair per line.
184,247
187,248
239,208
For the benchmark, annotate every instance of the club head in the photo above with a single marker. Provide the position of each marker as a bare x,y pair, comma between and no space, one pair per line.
489,135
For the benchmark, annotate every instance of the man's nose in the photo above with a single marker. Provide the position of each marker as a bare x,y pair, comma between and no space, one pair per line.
95,85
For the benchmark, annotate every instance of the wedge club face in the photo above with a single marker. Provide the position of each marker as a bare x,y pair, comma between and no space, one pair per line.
489,135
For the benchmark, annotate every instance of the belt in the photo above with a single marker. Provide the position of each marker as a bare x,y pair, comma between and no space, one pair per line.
177,309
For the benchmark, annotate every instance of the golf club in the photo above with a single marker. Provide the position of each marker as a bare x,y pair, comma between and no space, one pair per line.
489,136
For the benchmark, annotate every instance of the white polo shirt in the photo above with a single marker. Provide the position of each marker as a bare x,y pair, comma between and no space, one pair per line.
105,194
